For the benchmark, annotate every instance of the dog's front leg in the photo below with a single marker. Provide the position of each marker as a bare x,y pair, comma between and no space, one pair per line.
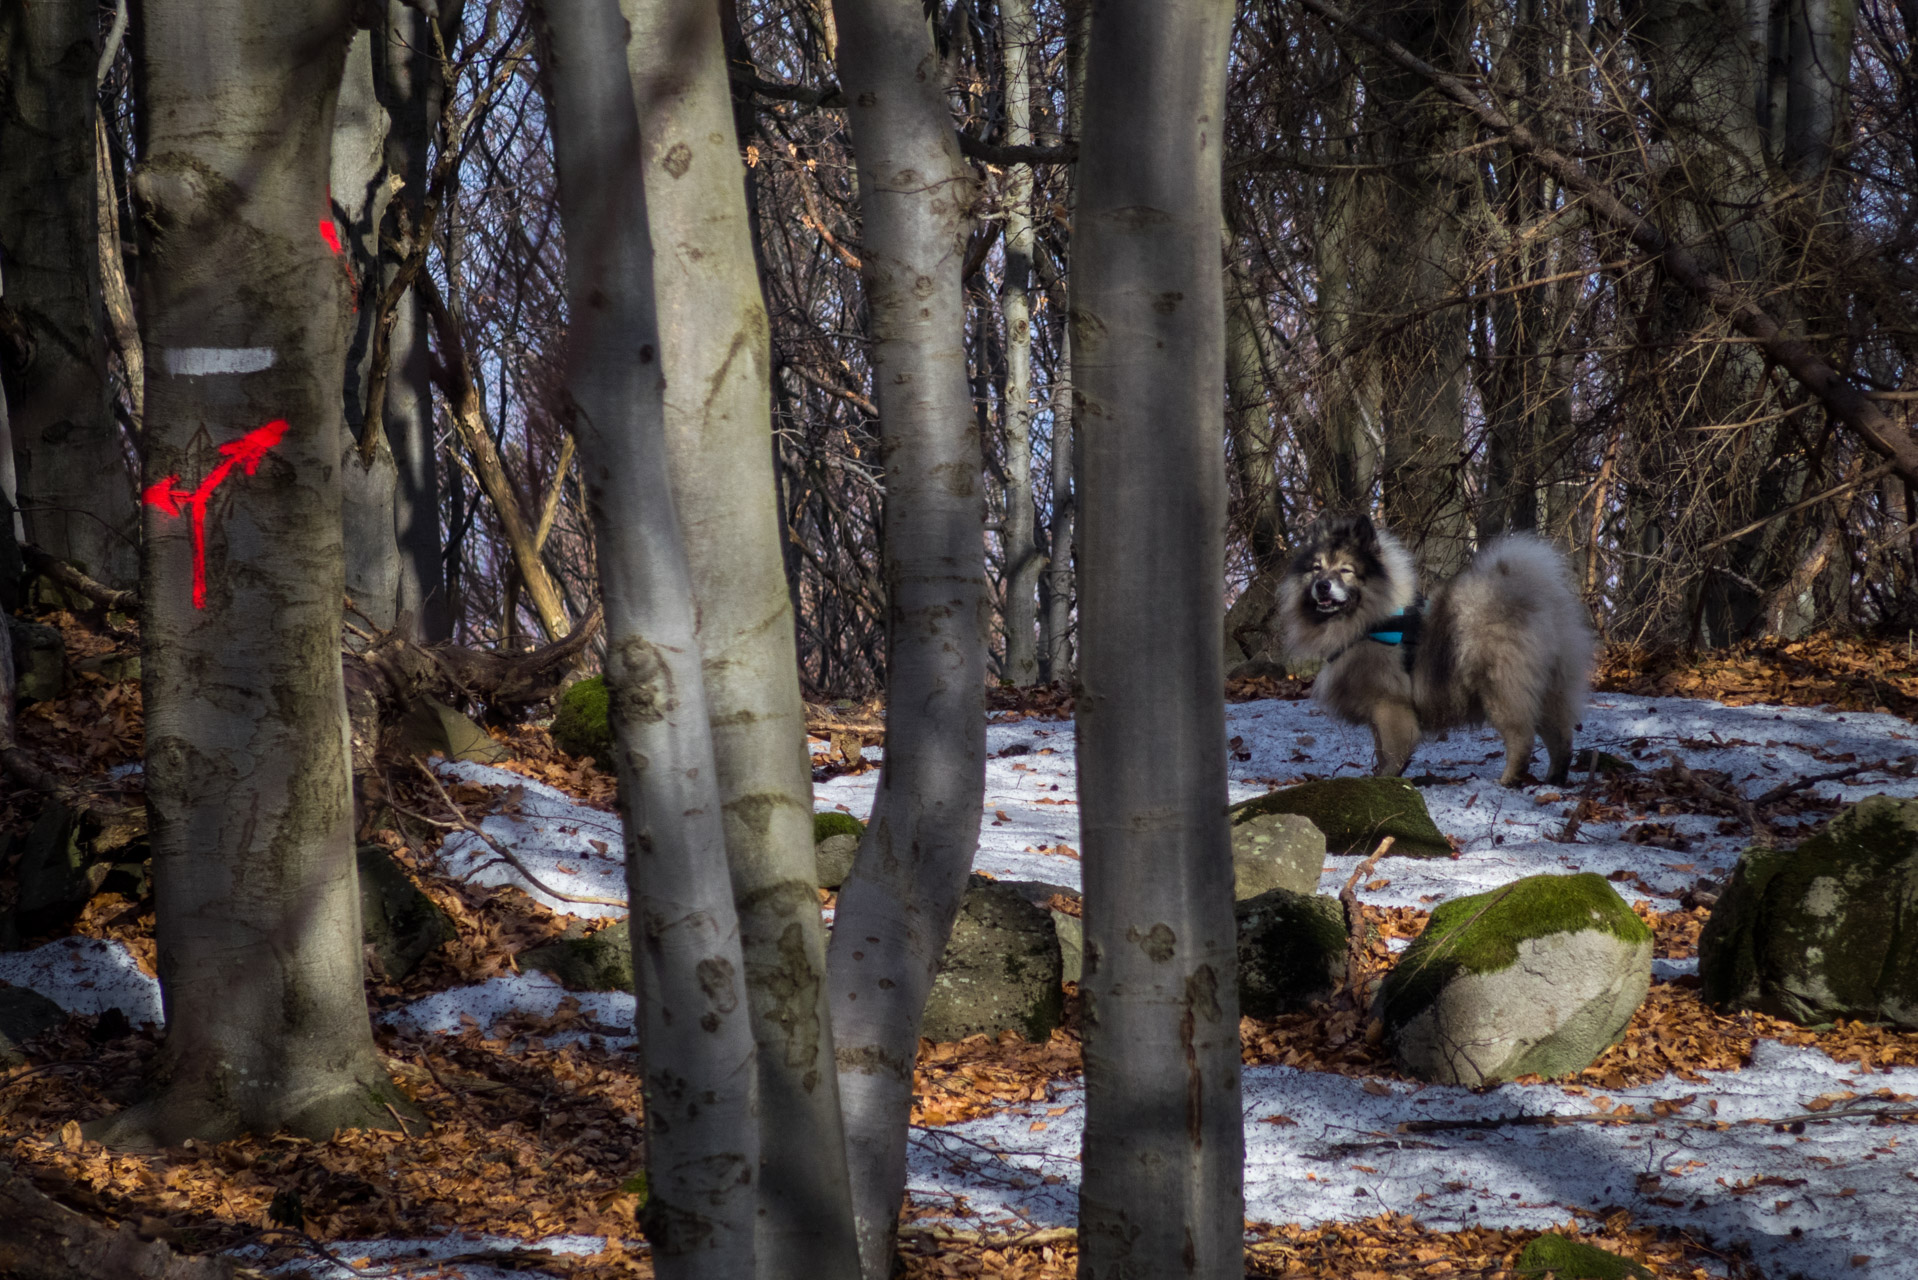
1395,734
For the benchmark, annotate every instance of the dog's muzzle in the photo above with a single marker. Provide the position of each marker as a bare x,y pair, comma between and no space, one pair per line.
1328,595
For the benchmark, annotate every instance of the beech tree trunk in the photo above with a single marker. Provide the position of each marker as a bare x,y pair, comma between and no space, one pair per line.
718,422
407,77
897,909
1018,35
1160,1193
75,493
358,196
256,897
701,1085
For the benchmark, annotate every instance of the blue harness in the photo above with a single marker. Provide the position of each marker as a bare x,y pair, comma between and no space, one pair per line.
1401,629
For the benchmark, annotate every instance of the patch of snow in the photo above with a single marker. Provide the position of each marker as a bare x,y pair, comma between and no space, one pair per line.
567,846
537,994
1338,1155
87,976
403,1257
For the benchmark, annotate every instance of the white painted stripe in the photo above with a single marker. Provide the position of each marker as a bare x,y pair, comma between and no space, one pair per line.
194,362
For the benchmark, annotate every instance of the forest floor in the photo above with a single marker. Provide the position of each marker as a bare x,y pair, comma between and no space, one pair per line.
1703,1144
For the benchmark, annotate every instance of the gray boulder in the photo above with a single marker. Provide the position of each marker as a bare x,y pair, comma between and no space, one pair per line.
1291,951
832,859
24,1014
1001,969
1071,930
582,961
1274,851
39,658
397,920
1538,977
430,727
1823,931
1355,814
57,872
835,843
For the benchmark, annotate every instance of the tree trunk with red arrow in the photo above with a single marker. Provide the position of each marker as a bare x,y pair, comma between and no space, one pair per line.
257,906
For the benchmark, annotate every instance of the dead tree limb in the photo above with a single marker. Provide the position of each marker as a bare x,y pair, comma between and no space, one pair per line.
45,1240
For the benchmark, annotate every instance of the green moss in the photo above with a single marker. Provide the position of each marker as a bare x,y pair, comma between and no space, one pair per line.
580,725
1356,813
637,1185
1291,951
1571,1260
826,825
1480,933
1727,967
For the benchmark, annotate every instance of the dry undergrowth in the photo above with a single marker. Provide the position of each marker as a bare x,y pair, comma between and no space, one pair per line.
543,1141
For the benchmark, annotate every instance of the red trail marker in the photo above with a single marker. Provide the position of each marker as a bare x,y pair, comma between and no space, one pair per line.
167,495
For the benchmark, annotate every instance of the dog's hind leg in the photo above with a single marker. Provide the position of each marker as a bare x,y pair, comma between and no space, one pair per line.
1517,732
1560,713
1395,734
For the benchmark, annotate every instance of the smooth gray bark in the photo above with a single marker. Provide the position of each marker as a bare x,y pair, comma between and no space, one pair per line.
409,83
718,422
255,891
896,911
1018,35
701,1085
358,196
75,491
1160,1191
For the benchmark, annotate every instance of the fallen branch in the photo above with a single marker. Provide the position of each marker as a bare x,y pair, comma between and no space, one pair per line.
463,823
990,1239
1355,921
1529,1121
1779,792
1843,400
48,565
45,1240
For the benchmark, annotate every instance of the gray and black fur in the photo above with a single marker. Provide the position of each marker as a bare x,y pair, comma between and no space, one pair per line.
1507,643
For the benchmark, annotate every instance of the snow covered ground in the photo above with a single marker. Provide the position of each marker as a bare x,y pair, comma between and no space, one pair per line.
1808,1202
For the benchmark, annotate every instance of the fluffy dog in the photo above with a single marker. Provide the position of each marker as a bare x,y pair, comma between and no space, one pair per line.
1506,642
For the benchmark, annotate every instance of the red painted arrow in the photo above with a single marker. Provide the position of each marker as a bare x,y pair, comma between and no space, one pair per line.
167,495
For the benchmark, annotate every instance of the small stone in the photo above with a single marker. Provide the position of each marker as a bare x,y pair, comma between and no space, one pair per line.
581,961
430,727
1274,851
833,858
24,1014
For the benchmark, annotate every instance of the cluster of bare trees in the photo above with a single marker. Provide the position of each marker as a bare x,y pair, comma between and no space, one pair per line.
882,344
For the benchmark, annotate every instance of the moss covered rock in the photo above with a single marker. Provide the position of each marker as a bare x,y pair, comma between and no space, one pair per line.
1291,951
581,961
1356,813
1827,930
1001,969
835,844
580,726
1537,977
397,919
1557,1256
24,1014
1274,851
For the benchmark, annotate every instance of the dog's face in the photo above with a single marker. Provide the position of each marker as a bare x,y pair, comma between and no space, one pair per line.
1338,557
